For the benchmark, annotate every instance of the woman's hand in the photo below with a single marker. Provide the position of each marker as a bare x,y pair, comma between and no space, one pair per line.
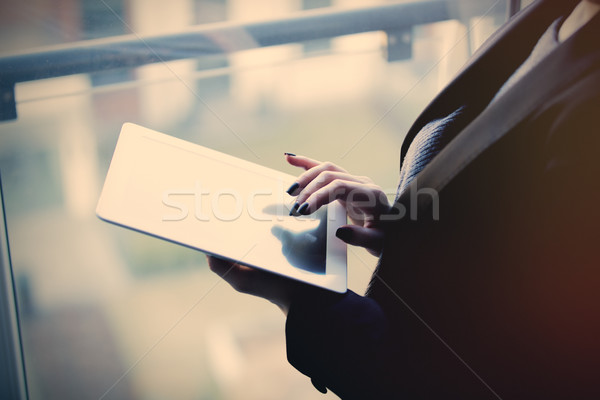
365,202
277,289
321,184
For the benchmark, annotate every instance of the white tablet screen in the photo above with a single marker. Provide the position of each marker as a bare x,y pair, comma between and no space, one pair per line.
221,205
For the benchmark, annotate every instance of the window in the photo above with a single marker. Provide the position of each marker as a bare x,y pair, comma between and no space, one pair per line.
107,313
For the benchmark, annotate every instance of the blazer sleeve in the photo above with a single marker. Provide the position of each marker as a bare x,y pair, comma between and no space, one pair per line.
340,342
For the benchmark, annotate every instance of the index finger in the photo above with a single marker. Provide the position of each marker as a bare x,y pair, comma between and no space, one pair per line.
301,161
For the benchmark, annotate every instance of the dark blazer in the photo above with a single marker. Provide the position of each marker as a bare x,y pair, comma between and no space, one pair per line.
490,288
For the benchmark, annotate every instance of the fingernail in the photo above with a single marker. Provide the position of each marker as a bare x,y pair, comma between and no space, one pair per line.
344,233
303,209
293,188
289,154
294,208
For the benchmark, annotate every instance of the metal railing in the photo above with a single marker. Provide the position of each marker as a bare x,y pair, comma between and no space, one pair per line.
132,50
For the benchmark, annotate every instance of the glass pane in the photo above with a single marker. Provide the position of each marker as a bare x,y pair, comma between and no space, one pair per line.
108,313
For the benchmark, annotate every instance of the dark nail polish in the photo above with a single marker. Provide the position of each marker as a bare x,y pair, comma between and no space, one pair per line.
344,234
303,210
293,188
294,208
289,154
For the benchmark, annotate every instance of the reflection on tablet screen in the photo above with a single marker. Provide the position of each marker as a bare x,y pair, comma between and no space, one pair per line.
305,249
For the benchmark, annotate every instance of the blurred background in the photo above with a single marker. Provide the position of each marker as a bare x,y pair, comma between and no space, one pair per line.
111,314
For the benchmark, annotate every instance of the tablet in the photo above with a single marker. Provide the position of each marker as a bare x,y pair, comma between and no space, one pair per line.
221,205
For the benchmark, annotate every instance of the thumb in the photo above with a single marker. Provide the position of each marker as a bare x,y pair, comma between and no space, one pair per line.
369,238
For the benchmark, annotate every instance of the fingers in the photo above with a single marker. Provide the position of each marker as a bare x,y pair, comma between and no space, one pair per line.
301,161
363,201
240,277
324,182
313,170
275,288
307,177
325,178
219,266
369,238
